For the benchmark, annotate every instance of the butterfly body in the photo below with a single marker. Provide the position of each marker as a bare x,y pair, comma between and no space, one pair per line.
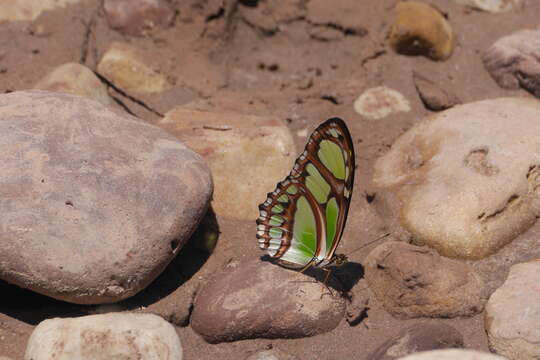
301,222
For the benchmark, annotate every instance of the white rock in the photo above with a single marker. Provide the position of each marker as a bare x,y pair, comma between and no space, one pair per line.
15,10
452,354
468,177
513,314
379,102
109,336
491,5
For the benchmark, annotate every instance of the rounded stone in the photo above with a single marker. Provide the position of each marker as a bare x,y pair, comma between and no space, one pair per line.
247,154
513,314
453,354
262,300
25,10
414,281
494,6
106,336
76,79
94,204
421,29
468,177
138,17
125,68
379,102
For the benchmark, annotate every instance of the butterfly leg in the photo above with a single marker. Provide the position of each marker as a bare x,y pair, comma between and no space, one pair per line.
325,283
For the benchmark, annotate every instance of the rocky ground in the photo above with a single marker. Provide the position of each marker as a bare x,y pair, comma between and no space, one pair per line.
98,204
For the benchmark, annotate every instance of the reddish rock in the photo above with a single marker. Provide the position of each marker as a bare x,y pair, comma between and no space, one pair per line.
138,17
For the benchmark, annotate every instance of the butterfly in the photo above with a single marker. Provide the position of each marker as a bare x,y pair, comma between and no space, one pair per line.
301,222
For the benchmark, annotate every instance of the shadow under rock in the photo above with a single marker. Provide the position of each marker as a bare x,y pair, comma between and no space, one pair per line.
32,308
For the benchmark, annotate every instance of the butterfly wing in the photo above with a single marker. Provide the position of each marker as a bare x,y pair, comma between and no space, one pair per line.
302,220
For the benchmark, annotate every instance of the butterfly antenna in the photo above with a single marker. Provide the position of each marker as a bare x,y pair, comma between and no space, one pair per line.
371,242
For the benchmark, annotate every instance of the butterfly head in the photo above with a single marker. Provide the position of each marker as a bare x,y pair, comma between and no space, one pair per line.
338,259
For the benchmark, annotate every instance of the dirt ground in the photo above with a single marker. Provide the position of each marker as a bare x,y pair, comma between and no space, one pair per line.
253,57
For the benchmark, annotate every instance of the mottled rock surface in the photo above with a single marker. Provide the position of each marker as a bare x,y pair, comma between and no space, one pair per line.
84,189
414,281
468,177
420,29
270,355
494,6
453,354
247,154
107,336
295,305
76,79
514,61
17,10
138,17
513,314
419,337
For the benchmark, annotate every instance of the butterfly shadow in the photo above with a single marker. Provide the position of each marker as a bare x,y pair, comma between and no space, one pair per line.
32,308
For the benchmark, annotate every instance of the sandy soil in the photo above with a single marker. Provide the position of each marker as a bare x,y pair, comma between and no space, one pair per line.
240,59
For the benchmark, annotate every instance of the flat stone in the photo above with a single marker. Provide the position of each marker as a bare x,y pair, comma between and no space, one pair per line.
380,102
413,281
513,314
76,79
85,188
138,17
494,6
248,155
468,177
453,354
434,96
513,61
229,308
123,66
24,10
108,336
419,337
421,29
270,355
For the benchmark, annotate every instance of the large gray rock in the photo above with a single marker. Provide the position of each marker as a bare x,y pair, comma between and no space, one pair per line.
414,281
513,314
262,300
94,204
514,61
468,177
107,336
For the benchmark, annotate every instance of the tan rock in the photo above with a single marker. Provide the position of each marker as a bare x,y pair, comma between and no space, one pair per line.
107,336
122,65
138,17
247,154
468,177
379,102
420,29
513,314
16,10
76,79
414,281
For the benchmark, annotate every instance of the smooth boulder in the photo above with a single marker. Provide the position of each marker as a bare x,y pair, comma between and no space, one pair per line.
468,177
414,281
95,204
263,300
106,336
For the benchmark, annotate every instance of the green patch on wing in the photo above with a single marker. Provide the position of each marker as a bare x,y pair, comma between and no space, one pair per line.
331,156
305,229
316,184
332,214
